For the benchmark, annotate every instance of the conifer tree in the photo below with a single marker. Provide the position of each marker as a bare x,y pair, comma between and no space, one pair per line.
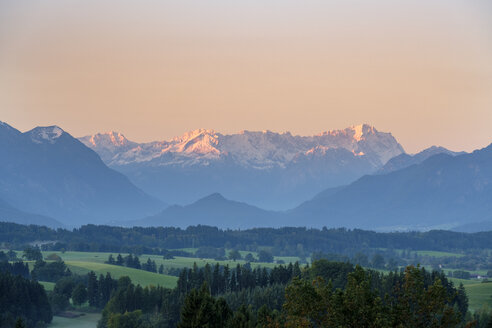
92,290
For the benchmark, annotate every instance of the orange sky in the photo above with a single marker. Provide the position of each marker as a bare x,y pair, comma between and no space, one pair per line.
154,69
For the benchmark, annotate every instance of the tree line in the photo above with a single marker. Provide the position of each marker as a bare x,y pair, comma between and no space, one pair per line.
326,294
282,241
22,301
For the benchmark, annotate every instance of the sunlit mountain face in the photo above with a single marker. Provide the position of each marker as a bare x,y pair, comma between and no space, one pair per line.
265,168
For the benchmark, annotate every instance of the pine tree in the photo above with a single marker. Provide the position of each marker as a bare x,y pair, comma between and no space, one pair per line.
119,260
92,290
225,286
215,285
110,259
233,282
462,300
136,263
148,265
198,309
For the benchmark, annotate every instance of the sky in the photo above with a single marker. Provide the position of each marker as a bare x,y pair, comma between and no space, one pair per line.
420,69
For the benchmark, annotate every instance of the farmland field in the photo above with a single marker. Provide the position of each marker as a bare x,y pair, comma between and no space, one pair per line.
479,293
88,320
141,277
427,253
438,254
47,285
75,259
82,262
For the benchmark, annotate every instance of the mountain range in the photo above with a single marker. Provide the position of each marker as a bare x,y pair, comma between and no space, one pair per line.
48,172
444,191
48,177
266,169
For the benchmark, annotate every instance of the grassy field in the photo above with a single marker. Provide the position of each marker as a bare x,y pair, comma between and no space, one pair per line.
427,253
47,285
177,262
481,272
88,320
438,254
83,262
479,293
141,277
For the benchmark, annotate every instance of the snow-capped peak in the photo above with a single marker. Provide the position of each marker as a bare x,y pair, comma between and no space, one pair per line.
108,138
356,132
47,133
257,149
190,135
361,130
200,141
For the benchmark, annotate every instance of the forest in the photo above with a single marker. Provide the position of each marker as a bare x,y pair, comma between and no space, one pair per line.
321,294
334,278
141,240
472,250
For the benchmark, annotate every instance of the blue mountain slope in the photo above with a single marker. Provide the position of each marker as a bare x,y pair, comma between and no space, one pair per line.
8,213
443,191
405,160
47,171
213,210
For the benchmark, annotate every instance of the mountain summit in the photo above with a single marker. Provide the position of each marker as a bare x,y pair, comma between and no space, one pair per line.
264,168
45,134
48,172
259,149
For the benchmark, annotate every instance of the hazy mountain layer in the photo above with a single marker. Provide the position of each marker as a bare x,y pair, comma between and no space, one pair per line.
213,210
8,213
442,192
405,160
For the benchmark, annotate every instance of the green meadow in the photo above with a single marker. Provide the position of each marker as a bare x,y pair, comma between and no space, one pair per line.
479,293
141,277
86,320
84,262
438,254
428,253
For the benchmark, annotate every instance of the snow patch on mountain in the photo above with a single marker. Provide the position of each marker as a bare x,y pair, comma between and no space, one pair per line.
256,149
46,134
